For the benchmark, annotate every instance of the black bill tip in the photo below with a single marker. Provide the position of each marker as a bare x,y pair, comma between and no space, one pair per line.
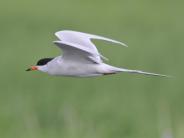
29,69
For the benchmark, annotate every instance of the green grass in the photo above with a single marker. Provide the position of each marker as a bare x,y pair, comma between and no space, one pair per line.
35,105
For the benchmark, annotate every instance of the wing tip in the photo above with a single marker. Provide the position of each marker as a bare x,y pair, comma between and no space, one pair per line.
57,33
123,44
168,76
56,42
62,31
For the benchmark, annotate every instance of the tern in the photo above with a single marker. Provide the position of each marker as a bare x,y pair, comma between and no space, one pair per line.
80,57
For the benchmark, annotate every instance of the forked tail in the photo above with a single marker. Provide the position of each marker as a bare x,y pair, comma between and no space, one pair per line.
140,72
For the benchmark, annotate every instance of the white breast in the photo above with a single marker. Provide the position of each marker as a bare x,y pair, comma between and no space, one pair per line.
64,68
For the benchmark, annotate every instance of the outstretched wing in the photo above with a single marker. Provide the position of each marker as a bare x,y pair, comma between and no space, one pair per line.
77,53
83,40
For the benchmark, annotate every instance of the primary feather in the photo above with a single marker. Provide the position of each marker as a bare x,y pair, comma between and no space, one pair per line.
83,40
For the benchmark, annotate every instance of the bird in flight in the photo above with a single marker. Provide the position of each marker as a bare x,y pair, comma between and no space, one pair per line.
80,57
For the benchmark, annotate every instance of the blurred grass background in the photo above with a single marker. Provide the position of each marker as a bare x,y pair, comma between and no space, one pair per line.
35,105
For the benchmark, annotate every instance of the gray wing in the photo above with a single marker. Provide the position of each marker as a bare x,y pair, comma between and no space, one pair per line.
83,40
77,53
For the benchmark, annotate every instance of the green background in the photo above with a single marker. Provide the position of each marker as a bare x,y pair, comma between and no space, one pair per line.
36,105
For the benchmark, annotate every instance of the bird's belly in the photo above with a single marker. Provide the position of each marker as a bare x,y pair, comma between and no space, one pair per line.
76,70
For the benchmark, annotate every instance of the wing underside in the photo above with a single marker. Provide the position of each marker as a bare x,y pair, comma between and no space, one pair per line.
82,41
75,53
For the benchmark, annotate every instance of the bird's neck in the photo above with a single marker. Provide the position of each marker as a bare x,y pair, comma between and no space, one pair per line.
43,68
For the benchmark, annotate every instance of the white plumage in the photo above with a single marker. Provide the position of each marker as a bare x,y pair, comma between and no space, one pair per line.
81,58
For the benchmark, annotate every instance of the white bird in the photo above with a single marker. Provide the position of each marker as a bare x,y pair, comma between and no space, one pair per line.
80,57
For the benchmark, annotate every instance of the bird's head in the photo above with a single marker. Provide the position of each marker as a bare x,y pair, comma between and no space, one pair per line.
32,68
40,65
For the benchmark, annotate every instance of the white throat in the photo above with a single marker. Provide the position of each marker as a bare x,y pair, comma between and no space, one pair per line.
43,68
